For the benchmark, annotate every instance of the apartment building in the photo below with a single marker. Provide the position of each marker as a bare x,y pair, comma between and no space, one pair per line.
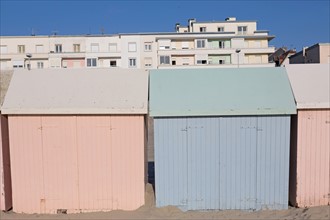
318,53
228,43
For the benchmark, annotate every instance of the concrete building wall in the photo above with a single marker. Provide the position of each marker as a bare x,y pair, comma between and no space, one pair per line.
228,26
318,53
112,50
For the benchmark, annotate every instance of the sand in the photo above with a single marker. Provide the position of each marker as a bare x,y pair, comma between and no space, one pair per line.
149,211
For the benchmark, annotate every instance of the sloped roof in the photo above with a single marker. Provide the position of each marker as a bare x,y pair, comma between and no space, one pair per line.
310,84
230,91
77,91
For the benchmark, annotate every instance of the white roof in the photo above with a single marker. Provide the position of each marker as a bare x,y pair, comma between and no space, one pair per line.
310,84
77,91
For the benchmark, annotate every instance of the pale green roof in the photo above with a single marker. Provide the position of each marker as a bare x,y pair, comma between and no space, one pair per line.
230,91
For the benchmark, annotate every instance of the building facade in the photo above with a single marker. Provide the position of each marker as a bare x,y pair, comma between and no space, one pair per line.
226,43
318,53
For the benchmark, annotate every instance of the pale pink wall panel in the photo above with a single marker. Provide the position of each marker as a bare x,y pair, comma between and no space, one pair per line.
26,164
313,158
77,163
5,176
95,182
60,163
127,144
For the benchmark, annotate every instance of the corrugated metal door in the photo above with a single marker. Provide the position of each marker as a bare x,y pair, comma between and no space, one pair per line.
60,167
222,162
171,162
27,173
273,162
127,145
77,163
203,163
313,158
238,162
95,162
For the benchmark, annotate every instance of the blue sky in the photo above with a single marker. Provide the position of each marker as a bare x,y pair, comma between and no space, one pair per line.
295,23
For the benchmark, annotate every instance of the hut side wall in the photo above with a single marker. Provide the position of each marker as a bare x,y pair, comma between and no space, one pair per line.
5,176
222,162
313,158
77,163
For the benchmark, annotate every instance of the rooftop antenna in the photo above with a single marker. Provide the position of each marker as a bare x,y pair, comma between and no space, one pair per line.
102,30
33,32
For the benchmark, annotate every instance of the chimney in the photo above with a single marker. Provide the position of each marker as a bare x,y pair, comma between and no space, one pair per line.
230,19
177,27
190,24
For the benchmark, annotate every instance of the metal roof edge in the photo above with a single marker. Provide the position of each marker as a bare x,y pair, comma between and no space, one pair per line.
98,111
223,113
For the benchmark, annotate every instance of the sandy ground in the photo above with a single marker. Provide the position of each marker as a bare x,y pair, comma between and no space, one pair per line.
149,211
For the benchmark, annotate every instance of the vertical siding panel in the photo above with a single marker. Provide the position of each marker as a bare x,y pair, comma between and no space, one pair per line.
203,163
60,162
127,145
171,163
313,163
238,165
94,162
273,170
26,164
5,176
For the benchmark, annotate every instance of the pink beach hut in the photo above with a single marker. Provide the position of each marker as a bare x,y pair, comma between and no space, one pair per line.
77,139
310,147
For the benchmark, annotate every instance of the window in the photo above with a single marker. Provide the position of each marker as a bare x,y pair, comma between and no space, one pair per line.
148,62
18,63
39,48
185,61
3,49
201,62
40,65
200,43
164,47
164,59
202,29
112,47
164,44
222,61
58,48
147,46
221,44
131,47
21,49
132,62
91,62
185,45
95,48
173,62
241,30
113,63
221,29
76,48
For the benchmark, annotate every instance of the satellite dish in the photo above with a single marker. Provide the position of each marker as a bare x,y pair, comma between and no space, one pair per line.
238,50
28,55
